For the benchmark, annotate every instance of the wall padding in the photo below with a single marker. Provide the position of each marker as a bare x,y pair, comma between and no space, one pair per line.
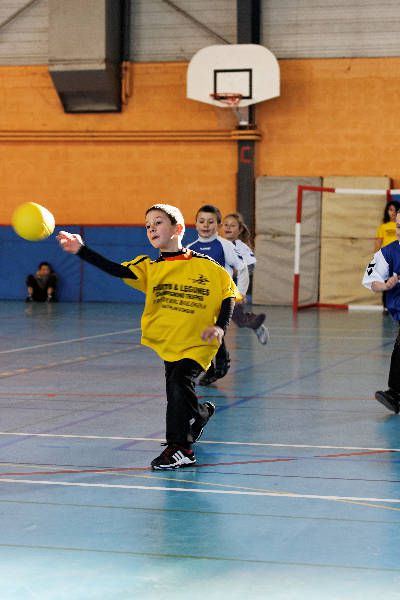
276,201
348,227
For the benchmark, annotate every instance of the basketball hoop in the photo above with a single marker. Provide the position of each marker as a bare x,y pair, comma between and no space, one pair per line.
232,100
229,98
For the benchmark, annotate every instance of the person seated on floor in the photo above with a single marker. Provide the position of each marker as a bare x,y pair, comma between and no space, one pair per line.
42,285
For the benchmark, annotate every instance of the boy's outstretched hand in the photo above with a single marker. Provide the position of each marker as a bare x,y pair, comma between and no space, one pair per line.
212,333
70,242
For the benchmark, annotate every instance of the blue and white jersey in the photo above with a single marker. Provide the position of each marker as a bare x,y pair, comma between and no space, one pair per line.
224,252
384,264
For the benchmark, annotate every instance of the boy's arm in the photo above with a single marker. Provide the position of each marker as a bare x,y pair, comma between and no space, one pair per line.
376,276
246,252
225,314
235,260
242,274
108,266
73,243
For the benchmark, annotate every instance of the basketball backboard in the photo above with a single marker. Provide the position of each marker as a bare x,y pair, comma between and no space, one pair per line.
248,70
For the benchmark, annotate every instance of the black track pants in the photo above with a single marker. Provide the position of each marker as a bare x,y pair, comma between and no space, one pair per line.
182,402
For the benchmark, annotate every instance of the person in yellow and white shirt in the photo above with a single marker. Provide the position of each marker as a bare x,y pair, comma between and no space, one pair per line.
386,232
189,303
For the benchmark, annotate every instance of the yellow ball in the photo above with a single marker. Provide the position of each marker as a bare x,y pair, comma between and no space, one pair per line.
33,222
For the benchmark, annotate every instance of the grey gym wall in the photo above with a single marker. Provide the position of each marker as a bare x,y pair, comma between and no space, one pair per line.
162,30
23,32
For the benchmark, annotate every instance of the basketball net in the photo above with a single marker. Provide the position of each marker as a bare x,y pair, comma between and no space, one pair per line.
232,100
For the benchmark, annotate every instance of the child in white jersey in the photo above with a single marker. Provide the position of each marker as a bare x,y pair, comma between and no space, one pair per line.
236,231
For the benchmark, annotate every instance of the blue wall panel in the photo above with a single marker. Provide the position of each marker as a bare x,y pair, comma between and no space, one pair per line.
18,258
117,244
76,279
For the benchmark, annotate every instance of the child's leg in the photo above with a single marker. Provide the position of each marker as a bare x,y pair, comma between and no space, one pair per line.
391,397
239,315
182,403
186,417
394,373
241,318
37,293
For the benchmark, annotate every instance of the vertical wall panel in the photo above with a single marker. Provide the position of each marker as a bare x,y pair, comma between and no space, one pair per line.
348,227
276,203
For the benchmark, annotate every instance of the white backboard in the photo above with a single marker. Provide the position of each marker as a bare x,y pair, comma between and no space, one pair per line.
247,69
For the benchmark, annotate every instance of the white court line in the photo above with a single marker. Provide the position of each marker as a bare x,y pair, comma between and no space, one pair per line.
204,442
80,339
200,491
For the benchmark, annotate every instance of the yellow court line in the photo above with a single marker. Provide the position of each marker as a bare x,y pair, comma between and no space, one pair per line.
206,483
157,477
369,505
31,466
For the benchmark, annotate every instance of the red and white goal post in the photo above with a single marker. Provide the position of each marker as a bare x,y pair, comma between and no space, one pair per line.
296,279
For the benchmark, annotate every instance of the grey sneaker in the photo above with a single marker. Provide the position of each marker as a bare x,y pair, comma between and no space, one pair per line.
262,334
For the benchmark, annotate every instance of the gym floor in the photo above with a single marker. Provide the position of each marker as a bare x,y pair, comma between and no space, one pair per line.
295,495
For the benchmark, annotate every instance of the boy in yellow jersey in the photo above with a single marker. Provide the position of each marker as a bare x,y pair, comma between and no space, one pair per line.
189,303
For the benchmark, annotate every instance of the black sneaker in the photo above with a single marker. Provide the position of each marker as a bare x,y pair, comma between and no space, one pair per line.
197,428
173,457
390,399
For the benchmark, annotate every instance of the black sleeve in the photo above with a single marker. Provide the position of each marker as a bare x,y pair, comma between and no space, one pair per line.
108,266
225,314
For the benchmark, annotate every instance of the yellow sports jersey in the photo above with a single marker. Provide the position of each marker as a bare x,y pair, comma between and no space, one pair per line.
184,294
387,232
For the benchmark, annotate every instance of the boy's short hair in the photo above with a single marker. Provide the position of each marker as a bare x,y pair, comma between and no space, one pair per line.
173,213
210,208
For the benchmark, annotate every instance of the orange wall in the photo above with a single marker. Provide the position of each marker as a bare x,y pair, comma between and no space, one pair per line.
334,116
108,168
